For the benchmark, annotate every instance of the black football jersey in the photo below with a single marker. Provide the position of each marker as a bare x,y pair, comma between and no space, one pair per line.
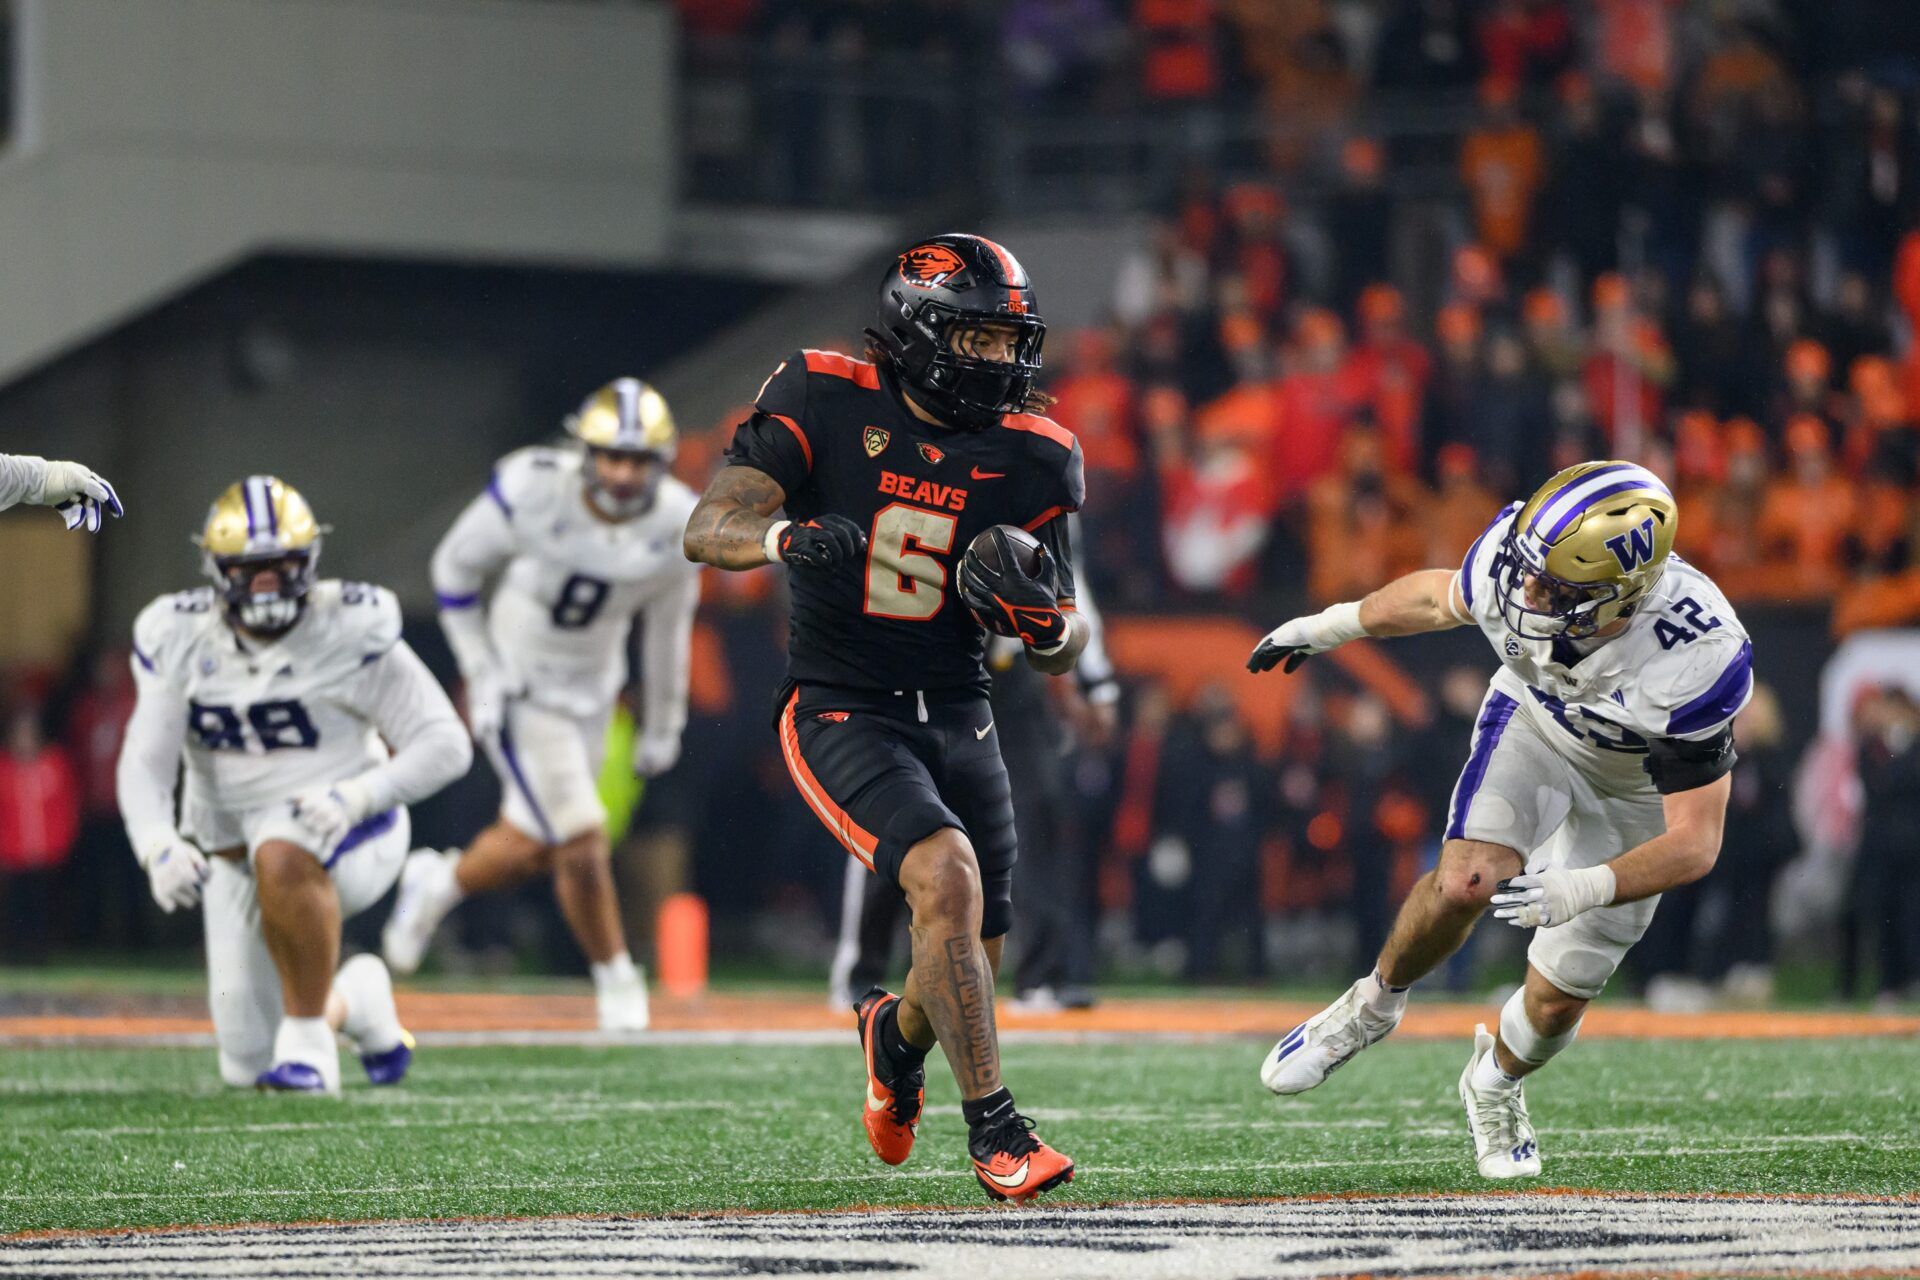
833,432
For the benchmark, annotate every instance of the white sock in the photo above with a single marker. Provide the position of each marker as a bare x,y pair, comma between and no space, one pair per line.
366,989
617,972
309,1040
1381,999
1489,1078
443,888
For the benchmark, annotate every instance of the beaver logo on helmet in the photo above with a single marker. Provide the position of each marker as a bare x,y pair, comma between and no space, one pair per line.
928,266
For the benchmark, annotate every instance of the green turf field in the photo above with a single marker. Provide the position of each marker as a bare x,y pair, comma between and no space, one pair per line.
121,1137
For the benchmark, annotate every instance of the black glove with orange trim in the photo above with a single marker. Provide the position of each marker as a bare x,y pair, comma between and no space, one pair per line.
1010,602
821,543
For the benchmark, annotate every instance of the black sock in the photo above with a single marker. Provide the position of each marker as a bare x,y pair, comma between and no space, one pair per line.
901,1054
997,1105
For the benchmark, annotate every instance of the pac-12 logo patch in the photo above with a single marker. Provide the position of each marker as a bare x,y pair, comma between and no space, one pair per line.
875,440
932,452
1513,647
928,266
1634,547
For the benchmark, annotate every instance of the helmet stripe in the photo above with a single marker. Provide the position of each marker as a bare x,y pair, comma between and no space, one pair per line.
1016,277
626,398
1573,498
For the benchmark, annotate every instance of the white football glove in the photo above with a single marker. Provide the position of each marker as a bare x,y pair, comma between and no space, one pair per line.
1296,641
1552,896
80,496
175,875
490,691
655,753
327,813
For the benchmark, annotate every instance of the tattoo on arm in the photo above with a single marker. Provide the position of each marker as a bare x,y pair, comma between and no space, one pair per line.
729,526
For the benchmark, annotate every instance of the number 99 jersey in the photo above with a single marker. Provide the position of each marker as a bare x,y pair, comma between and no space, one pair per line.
266,720
833,433
569,583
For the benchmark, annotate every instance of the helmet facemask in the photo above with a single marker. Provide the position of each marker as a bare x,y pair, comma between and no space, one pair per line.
1536,605
967,390
265,612
609,501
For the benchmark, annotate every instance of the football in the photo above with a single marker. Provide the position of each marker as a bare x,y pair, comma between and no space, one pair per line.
1024,547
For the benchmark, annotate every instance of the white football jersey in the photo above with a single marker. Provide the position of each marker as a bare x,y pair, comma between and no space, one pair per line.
263,721
1682,669
570,584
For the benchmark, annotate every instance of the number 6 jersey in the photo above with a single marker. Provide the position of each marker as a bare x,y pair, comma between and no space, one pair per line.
569,587
833,433
1667,687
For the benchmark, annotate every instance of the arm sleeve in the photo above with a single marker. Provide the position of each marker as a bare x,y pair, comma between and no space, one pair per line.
1685,764
666,648
1062,498
774,439
1095,667
473,550
149,764
1055,537
408,707
21,476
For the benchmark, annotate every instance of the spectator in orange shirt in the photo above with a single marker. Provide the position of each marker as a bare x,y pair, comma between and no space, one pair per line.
1807,517
1555,347
1461,505
1629,369
1733,547
1363,523
1388,372
1502,166
1095,402
1314,405
1807,385
1179,59
1882,441
1698,467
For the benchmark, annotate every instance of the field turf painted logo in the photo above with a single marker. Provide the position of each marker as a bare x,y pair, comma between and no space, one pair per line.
875,440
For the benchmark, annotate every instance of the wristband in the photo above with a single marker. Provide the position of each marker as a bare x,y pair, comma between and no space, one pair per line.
771,543
1597,885
1049,652
1338,624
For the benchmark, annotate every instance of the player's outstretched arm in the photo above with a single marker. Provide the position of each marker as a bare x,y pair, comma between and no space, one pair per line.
1426,600
83,498
729,527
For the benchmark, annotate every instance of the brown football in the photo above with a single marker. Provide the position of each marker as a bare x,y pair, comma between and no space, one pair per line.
1026,549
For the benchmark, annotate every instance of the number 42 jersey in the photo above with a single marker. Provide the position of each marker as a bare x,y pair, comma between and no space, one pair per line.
833,433
1679,672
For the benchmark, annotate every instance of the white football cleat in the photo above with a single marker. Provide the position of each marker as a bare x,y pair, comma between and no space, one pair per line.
1504,1145
427,892
1324,1043
623,1003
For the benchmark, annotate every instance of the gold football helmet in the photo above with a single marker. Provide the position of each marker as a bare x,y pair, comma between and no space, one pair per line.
261,525
629,420
1586,547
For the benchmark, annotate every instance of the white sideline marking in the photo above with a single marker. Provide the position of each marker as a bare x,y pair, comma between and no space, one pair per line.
734,1178
1589,1233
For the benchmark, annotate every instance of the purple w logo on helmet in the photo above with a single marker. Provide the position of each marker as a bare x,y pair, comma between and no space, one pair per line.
1634,547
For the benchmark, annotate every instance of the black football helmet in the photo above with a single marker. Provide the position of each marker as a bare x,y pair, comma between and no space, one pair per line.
945,285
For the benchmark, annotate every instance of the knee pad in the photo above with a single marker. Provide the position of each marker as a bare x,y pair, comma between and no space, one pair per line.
1522,1041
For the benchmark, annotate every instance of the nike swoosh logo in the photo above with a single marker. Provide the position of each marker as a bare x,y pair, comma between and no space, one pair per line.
978,474
980,735
1013,1179
875,1103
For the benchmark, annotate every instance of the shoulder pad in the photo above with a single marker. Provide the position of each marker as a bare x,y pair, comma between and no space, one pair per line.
529,478
1706,687
784,393
1042,428
832,364
359,616
165,627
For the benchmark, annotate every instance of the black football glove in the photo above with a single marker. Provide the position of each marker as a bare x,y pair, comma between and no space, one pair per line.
822,543
1010,603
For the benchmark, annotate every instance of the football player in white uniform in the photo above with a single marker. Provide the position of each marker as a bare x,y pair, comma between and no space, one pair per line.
583,540
1597,778
81,497
278,690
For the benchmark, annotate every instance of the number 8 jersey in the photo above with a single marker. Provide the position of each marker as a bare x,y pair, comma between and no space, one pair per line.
833,433
570,585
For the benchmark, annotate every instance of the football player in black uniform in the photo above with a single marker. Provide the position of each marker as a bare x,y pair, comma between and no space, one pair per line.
888,468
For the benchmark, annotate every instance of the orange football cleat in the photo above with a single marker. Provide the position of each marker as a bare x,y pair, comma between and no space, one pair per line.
1014,1165
891,1110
